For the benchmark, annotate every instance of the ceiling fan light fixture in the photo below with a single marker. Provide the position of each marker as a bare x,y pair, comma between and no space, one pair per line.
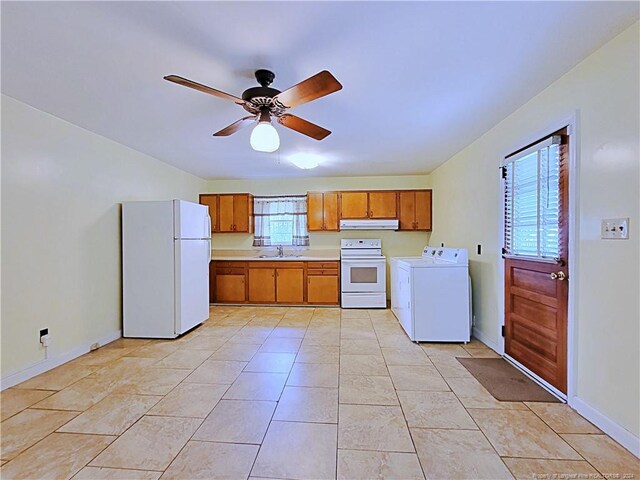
264,137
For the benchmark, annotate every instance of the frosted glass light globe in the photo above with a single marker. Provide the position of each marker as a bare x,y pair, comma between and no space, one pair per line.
264,138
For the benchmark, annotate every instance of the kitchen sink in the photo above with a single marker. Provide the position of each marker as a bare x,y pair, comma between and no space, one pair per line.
288,255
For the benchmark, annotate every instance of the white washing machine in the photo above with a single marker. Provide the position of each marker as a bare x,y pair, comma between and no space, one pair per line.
431,295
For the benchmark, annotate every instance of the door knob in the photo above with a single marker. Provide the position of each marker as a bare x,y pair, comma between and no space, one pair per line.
557,276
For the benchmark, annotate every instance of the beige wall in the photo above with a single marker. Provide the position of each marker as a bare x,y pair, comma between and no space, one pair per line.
394,244
604,90
61,189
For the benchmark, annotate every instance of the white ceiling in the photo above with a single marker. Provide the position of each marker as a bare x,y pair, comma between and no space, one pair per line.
421,79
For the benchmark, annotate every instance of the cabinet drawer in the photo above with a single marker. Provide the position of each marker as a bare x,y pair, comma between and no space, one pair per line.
276,264
333,272
230,271
323,265
229,263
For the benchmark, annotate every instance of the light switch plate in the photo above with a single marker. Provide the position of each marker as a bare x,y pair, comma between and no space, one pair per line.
614,228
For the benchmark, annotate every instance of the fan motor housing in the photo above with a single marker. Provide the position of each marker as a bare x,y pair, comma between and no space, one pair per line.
254,92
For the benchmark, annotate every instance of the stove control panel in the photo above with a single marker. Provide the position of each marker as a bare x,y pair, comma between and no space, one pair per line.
347,243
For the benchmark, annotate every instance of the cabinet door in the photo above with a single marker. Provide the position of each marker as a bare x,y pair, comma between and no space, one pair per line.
323,289
262,285
407,213
315,212
212,282
423,210
289,285
354,205
331,214
225,217
211,201
383,205
241,213
230,288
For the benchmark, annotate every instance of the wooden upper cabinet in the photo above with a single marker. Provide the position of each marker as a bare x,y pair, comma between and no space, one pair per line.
211,201
331,212
423,210
322,211
315,211
383,204
407,213
414,210
242,212
354,205
225,213
235,213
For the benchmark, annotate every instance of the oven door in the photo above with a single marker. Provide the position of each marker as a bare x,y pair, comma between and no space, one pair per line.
363,275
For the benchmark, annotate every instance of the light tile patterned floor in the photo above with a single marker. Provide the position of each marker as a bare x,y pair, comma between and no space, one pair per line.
292,393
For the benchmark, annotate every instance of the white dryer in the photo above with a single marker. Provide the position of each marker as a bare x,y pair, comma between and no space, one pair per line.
431,295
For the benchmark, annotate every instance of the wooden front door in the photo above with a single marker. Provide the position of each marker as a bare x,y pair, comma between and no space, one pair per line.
537,285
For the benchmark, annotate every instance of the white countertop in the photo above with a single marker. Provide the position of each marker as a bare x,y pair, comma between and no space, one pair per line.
271,255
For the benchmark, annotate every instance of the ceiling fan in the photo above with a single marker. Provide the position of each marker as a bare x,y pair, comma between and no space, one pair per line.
263,102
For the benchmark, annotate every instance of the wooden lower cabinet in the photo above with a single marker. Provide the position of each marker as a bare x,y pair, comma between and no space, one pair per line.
290,285
323,289
262,285
284,282
230,288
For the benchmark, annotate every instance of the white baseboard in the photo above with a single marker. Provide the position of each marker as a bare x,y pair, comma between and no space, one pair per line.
49,363
486,340
620,434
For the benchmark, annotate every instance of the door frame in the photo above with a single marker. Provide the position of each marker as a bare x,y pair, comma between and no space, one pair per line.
570,121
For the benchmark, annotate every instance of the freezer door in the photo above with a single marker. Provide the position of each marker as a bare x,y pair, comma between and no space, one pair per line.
191,283
191,220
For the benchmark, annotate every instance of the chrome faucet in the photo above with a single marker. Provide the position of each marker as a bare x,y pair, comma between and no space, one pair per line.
280,251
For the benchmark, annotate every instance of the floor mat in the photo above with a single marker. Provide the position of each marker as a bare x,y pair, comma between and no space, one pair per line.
504,381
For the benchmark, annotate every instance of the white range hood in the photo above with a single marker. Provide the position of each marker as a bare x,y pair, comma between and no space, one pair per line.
369,224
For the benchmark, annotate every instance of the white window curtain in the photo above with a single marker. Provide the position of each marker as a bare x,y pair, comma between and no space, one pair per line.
280,221
532,201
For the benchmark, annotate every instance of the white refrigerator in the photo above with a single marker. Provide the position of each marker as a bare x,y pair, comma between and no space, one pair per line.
166,250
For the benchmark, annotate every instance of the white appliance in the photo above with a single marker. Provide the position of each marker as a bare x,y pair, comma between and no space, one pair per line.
431,295
363,273
372,224
166,250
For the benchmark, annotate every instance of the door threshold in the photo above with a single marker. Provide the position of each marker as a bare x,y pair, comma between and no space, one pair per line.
543,383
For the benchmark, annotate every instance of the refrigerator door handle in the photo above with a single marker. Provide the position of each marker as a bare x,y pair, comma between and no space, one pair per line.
210,255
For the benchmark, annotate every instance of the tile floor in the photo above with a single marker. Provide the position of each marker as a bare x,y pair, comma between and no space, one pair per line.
289,393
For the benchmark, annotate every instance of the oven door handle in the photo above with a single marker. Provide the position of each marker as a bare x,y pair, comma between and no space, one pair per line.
363,260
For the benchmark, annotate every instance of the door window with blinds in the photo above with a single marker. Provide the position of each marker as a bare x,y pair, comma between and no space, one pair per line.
532,196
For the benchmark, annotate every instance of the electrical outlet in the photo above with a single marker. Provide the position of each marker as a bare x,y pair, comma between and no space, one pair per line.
479,250
43,332
614,229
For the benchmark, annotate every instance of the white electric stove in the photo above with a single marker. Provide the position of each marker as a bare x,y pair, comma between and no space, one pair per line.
364,270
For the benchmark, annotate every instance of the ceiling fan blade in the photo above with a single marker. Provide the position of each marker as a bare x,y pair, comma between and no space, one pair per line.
312,88
203,88
234,127
302,126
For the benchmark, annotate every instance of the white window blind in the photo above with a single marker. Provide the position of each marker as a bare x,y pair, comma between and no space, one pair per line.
532,201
